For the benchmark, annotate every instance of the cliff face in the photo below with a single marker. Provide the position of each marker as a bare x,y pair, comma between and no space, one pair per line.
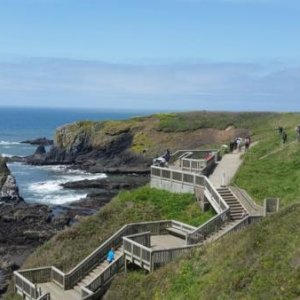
130,145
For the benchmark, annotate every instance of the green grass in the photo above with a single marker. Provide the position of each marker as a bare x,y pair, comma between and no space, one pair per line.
271,169
203,119
260,262
69,247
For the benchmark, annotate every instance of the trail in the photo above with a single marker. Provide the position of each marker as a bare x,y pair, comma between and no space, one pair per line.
283,147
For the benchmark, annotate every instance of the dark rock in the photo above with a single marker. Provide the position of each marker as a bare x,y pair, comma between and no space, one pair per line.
40,150
112,183
39,141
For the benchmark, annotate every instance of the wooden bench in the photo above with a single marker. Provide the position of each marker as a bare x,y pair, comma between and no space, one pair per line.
177,232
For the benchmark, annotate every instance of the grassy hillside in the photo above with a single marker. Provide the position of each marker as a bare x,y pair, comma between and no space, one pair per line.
272,169
67,248
153,134
261,262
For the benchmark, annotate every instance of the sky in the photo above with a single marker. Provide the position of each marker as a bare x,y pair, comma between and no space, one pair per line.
151,54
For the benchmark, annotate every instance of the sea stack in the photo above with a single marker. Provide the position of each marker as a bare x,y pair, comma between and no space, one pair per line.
9,191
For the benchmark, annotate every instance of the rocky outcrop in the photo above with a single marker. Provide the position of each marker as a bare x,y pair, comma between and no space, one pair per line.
111,183
39,141
22,226
9,191
130,145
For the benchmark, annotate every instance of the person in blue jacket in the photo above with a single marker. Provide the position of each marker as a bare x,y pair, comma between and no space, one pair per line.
111,255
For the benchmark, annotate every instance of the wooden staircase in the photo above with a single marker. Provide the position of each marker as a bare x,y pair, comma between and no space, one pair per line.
222,231
237,211
97,271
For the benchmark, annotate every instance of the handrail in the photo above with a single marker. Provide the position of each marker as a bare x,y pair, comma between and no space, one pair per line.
44,297
80,270
208,227
26,286
214,197
183,226
237,191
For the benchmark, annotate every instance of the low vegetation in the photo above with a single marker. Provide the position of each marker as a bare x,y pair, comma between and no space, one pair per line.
69,247
260,262
271,168
219,120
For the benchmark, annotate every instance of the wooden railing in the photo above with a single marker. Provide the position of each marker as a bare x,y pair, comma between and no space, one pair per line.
26,281
213,196
252,207
106,276
143,238
45,297
164,256
192,165
198,154
209,227
192,179
85,266
148,258
182,226
25,287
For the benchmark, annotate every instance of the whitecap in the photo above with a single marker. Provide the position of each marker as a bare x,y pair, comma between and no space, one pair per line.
44,187
9,143
61,199
6,155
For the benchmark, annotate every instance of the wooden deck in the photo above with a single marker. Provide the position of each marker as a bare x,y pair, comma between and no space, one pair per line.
57,293
160,242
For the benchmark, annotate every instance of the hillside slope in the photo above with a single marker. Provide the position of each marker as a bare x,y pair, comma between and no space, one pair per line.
260,262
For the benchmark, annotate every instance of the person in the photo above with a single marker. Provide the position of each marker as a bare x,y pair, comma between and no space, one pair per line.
167,155
231,146
239,143
284,137
111,255
247,143
298,132
280,130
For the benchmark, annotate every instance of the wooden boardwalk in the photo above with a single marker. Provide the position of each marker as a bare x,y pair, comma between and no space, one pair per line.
146,244
159,242
57,293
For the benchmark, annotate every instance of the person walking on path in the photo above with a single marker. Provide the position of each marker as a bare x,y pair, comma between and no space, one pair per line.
247,143
298,133
111,255
284,137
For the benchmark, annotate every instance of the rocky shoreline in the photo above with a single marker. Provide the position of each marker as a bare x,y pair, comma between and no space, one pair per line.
24,226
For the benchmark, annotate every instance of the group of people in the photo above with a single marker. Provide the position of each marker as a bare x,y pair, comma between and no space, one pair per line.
284,136
239,142
163,160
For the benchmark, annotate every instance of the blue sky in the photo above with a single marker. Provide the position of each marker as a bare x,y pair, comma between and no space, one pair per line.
151,54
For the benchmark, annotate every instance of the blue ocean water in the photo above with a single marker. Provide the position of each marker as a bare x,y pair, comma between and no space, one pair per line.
41,184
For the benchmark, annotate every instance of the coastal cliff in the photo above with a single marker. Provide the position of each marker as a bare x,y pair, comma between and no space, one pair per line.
129,146
23,226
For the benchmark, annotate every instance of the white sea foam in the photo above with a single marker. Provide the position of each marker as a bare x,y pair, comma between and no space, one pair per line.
45,187
6,155
61,199
51,191
9,143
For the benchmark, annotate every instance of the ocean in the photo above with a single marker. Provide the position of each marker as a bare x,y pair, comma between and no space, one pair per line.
41,184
